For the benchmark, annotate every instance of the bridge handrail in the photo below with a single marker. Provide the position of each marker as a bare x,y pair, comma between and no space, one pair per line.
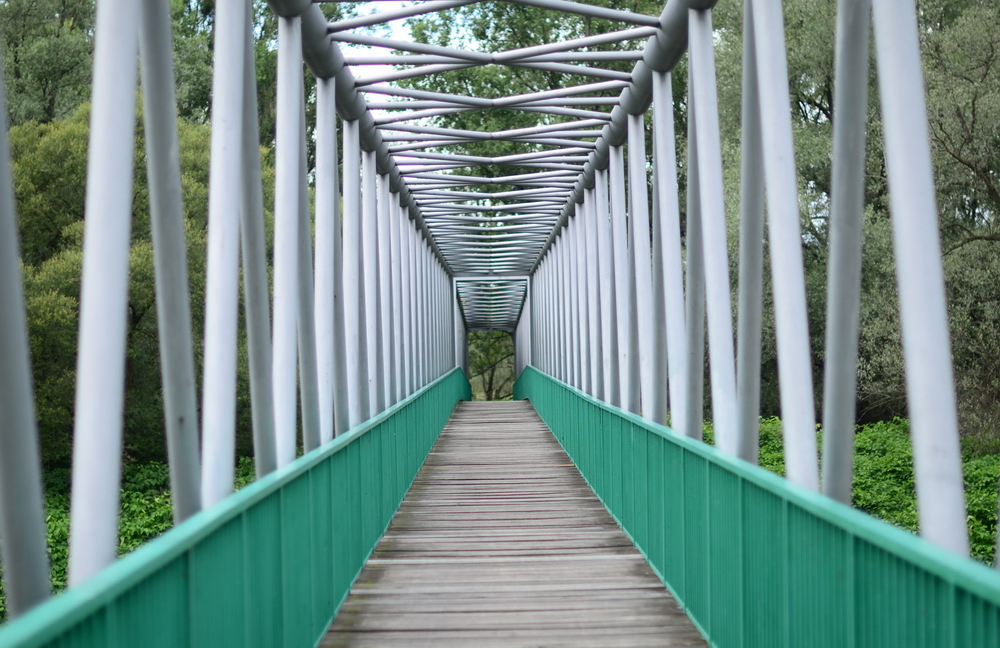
859,581
77,616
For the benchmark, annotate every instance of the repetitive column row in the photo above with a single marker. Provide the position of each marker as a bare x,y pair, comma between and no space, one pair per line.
620,309
357,326
399,337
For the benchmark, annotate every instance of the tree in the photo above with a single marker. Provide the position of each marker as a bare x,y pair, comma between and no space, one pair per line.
491,363
46,54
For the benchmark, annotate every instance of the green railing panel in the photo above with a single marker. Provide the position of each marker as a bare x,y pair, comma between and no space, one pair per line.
268,566
756,561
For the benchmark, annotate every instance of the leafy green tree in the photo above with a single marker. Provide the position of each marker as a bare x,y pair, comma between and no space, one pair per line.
491,363
46,54
50,196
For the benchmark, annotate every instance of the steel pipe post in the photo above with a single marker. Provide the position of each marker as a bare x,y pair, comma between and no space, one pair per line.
847,205
173,301
930,384
406,294
751,262
785,237
369,266
23,550
257,301
329,325
385,291
355,345
670,245
649,347
306,322
694,323
623,283
287,218
396,282
718,294
593,295
609,317
100,366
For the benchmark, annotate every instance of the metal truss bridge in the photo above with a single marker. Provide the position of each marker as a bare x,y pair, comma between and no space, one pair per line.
613,529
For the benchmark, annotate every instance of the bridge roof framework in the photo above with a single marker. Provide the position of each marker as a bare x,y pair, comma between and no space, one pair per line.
565,247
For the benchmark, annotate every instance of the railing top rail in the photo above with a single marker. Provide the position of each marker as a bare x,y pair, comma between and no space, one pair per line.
950,567
51,619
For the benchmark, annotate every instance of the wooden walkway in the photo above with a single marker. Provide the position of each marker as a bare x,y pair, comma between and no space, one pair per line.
500,542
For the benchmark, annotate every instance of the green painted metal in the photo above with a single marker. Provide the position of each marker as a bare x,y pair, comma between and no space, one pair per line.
268,566
757,561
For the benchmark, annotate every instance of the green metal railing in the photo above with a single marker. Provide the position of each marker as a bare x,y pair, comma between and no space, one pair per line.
755,560
270,565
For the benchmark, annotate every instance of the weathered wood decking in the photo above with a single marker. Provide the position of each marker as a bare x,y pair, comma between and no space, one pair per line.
500,542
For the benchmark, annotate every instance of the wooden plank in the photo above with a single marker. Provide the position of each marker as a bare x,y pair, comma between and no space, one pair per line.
500,542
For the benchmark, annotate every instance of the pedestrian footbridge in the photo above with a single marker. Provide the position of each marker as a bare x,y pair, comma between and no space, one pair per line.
574,515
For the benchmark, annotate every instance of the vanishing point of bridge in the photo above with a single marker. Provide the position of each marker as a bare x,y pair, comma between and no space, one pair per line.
576,517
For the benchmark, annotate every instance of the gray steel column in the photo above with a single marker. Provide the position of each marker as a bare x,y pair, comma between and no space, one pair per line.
652,396
529,305
406,294
847,204
395,255
100,367
553,323
286,241
329,314
22,508
580,314
369,264
545,359
564,332
694,323
353,281
609,319
930,384
457,319
751,282
414,309
551,302
718,295
173,302
578,228
547,309
659,308
257,299
576,329
670,244
421,277
385,291
623,287
306,324
593,294
798,417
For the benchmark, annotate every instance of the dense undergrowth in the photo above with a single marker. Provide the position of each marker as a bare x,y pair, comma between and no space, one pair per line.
883,478
146,511
883,487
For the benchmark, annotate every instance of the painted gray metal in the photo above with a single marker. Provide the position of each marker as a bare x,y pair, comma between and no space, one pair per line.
560,255
23,549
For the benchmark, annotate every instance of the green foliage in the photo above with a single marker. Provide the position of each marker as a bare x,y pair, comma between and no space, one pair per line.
883,478
491,363
146,511
46,57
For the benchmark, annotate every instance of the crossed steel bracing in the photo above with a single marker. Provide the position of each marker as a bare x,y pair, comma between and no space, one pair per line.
493,222
418,242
